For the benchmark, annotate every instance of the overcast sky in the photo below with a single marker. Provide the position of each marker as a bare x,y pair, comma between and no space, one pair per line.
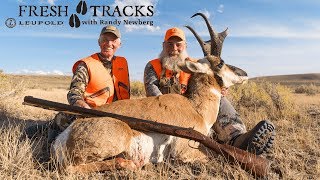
266,37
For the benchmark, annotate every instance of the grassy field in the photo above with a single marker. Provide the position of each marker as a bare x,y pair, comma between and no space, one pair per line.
42,82
296,154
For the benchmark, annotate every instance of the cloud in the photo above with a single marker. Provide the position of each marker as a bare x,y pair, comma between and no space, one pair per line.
130,28
122,3
269,30
220,8
307,29
51,2
57,72
39,72
278,56
146,3
205,12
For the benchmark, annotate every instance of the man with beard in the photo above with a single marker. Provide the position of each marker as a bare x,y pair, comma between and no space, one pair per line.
229,128
98,79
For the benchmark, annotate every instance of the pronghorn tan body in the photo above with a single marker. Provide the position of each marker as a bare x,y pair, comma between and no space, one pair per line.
98,144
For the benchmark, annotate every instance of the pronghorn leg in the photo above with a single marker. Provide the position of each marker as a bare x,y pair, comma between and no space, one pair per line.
106,165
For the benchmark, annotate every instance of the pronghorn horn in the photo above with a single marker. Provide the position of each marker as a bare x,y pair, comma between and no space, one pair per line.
204,45
215,39
211,32
222,36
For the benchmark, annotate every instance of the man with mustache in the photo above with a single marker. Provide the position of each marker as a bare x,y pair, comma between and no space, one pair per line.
158,80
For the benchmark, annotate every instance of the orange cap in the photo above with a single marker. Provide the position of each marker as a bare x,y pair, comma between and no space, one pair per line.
174,32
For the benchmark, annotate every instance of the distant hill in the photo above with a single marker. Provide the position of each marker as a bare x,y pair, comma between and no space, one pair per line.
292,80
63,82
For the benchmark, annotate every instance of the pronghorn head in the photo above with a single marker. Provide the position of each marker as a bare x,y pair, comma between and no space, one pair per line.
212,63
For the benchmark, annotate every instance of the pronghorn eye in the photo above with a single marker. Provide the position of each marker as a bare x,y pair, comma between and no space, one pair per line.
219,66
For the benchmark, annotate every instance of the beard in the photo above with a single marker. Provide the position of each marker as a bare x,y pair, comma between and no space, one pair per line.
172,62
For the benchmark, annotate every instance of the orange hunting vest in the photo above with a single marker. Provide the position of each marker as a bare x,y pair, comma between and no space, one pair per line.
100,89
183,78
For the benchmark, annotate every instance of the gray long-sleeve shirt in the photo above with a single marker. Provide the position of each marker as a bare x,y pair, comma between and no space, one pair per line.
151,81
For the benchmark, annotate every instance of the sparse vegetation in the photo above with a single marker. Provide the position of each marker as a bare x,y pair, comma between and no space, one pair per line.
270,100
310,90
43,82
137,89
9,87
295,155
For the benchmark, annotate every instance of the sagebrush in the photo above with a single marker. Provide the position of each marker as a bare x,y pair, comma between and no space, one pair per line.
310,90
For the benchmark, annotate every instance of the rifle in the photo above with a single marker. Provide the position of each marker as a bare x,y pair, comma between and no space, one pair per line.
254,164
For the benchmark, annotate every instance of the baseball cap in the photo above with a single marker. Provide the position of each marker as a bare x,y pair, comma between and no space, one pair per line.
174,32
111,29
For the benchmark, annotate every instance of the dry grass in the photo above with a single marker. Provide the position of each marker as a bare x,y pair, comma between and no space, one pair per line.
296,154
137,89
42,81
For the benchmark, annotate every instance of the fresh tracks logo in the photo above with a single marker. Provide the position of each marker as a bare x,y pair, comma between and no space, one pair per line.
98,14
82,9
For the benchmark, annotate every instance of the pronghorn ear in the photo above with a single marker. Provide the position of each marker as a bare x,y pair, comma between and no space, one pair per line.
200,66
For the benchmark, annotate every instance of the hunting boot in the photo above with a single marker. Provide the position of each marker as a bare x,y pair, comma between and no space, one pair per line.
258,140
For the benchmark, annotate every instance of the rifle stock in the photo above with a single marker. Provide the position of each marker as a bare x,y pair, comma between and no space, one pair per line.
256,165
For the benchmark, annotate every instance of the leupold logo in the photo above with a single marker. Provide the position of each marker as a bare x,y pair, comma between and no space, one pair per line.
74,20
55,15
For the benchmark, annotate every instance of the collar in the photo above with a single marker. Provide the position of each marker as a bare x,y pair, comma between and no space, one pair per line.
103,59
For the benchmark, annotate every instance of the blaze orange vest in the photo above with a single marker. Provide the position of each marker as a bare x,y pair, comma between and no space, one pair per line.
100,88
183,78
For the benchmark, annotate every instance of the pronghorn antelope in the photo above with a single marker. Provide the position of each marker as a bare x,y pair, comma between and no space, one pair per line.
104,143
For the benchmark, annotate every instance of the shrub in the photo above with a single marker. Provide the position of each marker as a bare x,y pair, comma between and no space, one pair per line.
250,95
270,100
307,89
137,88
